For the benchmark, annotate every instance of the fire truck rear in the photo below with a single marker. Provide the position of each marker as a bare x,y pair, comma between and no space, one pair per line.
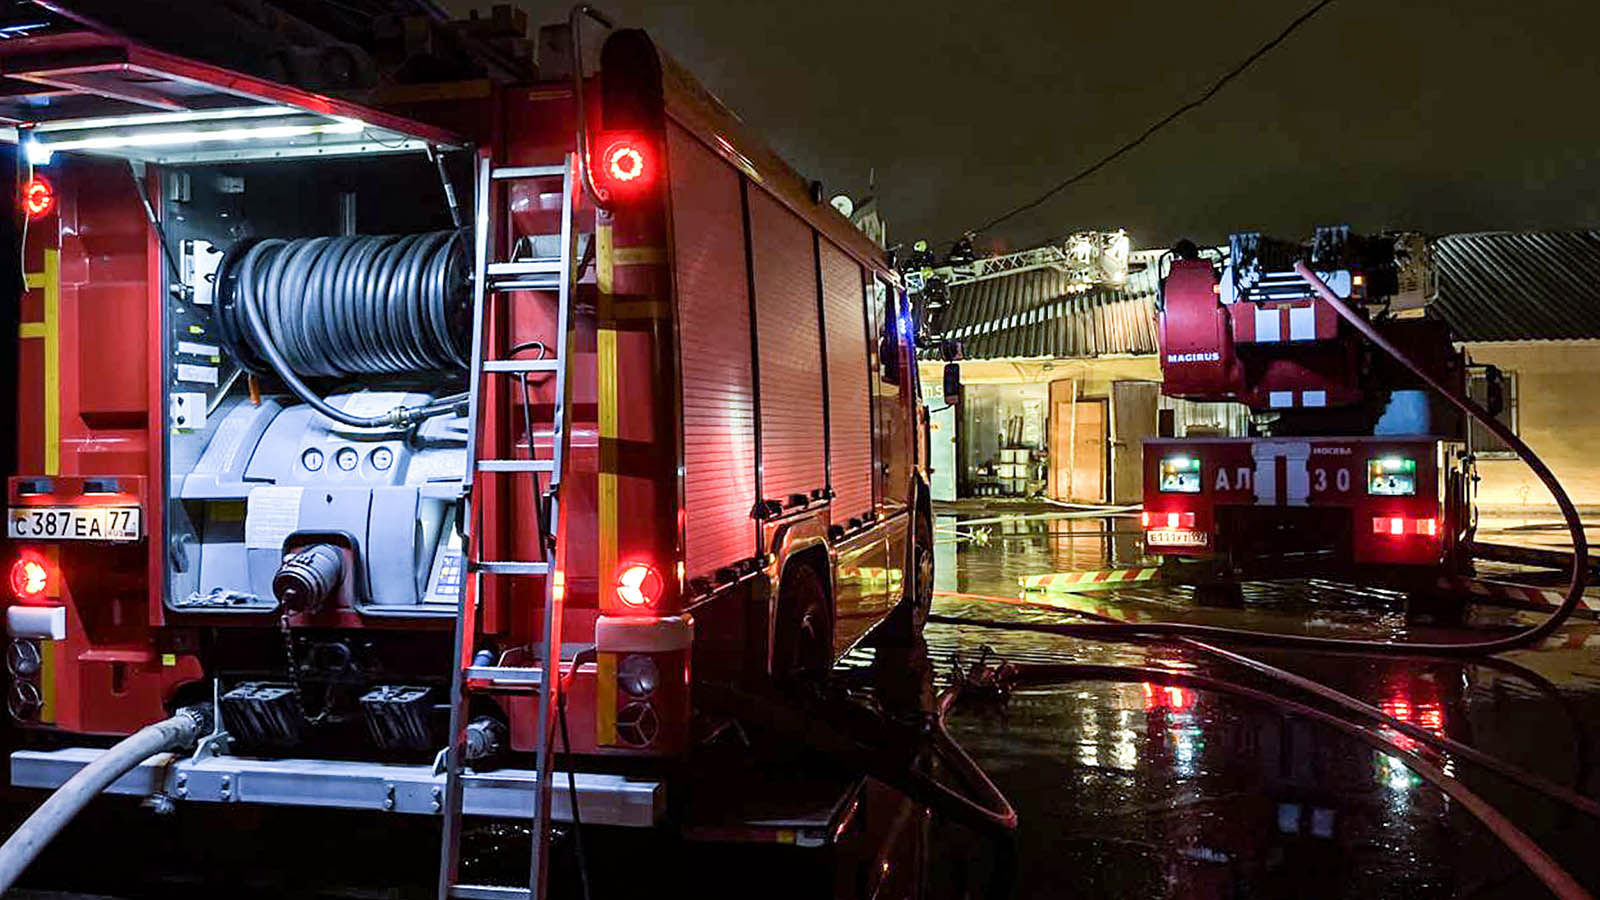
396,479
1351,468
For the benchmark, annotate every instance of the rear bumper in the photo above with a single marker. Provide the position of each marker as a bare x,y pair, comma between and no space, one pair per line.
410,789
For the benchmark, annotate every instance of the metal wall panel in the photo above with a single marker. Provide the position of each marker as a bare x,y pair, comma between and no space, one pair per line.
844,316
719,440
789,355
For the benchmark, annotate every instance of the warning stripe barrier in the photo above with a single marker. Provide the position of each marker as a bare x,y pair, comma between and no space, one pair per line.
1072,582
1501,593
1045,601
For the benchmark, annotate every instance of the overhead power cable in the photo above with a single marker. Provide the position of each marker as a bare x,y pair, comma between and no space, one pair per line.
1163,122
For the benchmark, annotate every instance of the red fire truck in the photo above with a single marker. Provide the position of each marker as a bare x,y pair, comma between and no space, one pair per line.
384,474
1351,467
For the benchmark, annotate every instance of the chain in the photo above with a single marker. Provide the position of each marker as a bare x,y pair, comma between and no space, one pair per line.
289,660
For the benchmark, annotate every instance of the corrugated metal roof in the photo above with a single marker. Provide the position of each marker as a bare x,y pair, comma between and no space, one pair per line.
1491,286
1036,314
1519,286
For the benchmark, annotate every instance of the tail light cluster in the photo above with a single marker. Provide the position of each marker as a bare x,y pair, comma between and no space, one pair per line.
1400,526
30,577
639,586
32,582
1167,519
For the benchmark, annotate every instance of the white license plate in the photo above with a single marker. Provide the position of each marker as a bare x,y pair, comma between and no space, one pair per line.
1173,537
74,523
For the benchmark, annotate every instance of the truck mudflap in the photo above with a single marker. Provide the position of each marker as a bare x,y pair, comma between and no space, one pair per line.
412,789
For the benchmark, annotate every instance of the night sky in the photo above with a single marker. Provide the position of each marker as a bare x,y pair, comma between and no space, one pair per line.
1438,116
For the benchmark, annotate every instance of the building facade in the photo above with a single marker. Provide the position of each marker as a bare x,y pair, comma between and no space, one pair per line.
1528,303
1060,385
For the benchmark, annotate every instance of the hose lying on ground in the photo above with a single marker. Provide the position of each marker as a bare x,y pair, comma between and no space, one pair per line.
177,733
1366,710
1547,870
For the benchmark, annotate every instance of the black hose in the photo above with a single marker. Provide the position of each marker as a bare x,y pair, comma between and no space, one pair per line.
1546,869
572,780
1500,767
33,835
341,307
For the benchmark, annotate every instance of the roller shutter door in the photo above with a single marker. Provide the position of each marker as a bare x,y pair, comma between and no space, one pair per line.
849,401
718,380
789,351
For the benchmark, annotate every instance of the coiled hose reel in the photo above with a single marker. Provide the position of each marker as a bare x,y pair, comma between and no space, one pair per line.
351,306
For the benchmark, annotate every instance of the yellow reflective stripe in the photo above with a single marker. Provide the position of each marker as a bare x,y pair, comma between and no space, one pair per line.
47,680
639,309
604,258
52,362
607,350
639,256
30,330
606,359
33,280
605,699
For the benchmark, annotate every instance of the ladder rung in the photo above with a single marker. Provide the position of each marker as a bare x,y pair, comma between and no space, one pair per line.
527,284
521,365
512,567
488,892
516,676
544,266
516,465
513,172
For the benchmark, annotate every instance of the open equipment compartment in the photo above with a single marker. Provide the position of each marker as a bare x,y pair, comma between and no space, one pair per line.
358,272
298,260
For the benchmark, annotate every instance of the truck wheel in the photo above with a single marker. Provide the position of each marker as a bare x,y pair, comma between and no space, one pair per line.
910,614
803,644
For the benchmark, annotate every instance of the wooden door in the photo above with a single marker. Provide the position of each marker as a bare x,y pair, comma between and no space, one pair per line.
1077,449
1133,414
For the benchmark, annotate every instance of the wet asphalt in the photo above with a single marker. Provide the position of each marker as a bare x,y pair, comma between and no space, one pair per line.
1123,790
1133,790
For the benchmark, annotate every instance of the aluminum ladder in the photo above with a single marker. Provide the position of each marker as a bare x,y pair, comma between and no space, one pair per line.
494,281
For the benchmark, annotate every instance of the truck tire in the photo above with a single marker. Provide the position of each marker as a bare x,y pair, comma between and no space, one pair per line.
803,643
905,622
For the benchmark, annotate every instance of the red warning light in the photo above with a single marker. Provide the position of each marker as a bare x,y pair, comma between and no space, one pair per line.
627,166
30,577
624,162
38,197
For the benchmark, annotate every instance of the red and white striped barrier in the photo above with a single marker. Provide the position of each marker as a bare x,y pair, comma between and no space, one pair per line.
1072,582
1501,593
